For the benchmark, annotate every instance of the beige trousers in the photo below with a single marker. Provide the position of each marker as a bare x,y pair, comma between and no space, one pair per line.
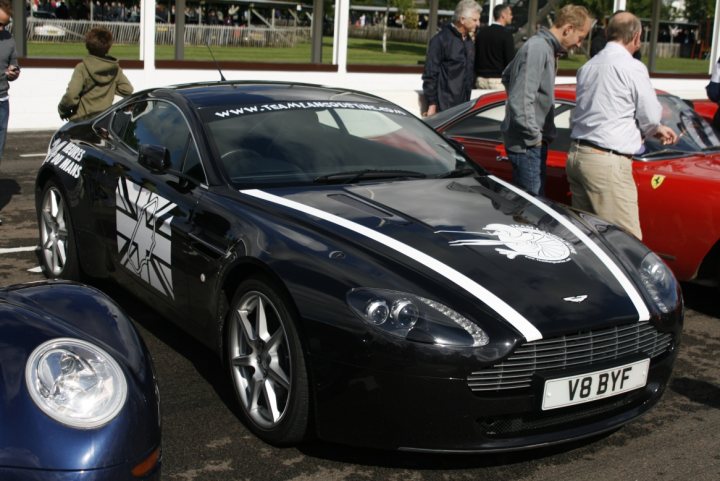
489,83
602,183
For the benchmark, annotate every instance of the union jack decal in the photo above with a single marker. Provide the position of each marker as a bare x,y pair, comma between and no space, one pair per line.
144,237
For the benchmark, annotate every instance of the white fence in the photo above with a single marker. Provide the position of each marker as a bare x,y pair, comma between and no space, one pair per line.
58,31
394,34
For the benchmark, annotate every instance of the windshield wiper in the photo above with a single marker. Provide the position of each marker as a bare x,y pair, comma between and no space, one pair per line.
461,172
659,153
350,176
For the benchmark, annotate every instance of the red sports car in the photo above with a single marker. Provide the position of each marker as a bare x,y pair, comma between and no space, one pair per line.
678,185
706,108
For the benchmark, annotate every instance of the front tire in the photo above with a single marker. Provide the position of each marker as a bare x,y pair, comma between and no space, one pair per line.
266,364
58,252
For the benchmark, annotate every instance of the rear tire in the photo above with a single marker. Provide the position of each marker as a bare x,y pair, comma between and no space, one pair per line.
58,252
266,364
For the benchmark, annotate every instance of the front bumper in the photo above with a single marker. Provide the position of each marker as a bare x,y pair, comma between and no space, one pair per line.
387,410
116,473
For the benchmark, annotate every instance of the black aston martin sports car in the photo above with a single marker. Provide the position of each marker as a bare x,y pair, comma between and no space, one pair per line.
362,280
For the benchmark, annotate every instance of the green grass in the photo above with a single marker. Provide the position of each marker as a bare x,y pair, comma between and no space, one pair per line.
664,65
360,51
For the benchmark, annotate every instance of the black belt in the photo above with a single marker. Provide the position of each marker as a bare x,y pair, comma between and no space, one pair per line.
587,143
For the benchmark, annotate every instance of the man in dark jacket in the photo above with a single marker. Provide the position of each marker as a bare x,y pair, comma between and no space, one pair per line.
449,67
494,49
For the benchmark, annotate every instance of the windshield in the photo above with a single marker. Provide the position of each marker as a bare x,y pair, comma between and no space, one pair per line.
326,142
695,134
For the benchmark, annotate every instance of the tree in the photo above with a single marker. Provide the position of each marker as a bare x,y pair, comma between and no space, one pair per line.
407,10
698,11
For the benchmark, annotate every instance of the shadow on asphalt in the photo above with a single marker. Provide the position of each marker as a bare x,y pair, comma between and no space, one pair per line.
435,461
8,188
702,299
698,391
205,361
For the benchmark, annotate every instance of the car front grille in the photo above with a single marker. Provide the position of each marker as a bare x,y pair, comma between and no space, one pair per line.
568,353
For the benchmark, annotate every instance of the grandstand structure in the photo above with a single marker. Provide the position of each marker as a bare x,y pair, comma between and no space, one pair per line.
399,84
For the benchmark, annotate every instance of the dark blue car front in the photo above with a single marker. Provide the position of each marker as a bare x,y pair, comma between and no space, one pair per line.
78,395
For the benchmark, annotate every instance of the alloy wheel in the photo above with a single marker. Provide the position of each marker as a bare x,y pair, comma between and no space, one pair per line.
54,232
260,359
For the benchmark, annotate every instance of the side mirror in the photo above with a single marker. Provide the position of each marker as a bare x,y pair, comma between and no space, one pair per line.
154,157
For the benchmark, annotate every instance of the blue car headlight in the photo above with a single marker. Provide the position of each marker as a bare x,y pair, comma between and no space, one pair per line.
415,318
75,382
659,282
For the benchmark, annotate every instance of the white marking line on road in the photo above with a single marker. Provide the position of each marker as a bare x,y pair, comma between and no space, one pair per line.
33,155
12,250
35,269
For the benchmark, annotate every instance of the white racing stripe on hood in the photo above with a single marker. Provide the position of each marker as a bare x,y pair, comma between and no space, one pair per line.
516,319
635,297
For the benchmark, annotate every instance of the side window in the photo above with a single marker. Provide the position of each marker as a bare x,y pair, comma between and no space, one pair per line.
160,123
120,121
483,125
192,167
563,125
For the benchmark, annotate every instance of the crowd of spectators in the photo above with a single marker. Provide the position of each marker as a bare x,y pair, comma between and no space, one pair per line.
219,14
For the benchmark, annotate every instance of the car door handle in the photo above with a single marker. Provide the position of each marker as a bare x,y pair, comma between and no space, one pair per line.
502,158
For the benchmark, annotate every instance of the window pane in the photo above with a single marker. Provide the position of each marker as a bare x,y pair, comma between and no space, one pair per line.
483,125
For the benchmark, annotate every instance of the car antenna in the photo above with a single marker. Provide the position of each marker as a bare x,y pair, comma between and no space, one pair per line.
222,77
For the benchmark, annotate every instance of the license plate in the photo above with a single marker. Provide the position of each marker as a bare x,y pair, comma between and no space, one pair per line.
572,390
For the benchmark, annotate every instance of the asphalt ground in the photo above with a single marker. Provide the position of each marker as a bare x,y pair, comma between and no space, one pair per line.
203,439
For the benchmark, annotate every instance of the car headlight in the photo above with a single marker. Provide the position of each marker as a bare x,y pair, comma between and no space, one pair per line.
415,318
75,382
659,282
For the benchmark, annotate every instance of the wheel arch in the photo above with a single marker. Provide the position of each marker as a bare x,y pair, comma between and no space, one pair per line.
251,268
709,271
44,176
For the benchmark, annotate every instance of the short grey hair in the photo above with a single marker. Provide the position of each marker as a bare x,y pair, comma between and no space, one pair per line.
464,8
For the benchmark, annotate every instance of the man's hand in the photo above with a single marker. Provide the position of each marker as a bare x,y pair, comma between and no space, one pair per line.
666,135
12,72
432,110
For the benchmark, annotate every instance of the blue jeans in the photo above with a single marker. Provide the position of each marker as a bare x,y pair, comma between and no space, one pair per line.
529,169
4,115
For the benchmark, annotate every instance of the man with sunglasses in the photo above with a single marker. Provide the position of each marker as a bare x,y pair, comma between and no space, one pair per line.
9,69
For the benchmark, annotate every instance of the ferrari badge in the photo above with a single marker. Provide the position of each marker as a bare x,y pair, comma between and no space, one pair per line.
657,181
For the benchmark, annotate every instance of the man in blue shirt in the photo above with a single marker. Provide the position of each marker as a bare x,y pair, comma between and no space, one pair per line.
616,109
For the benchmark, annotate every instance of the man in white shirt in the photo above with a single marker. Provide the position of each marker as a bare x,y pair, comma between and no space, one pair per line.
616,108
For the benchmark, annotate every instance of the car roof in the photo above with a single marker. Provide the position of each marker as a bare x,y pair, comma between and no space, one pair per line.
565,91
211,94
